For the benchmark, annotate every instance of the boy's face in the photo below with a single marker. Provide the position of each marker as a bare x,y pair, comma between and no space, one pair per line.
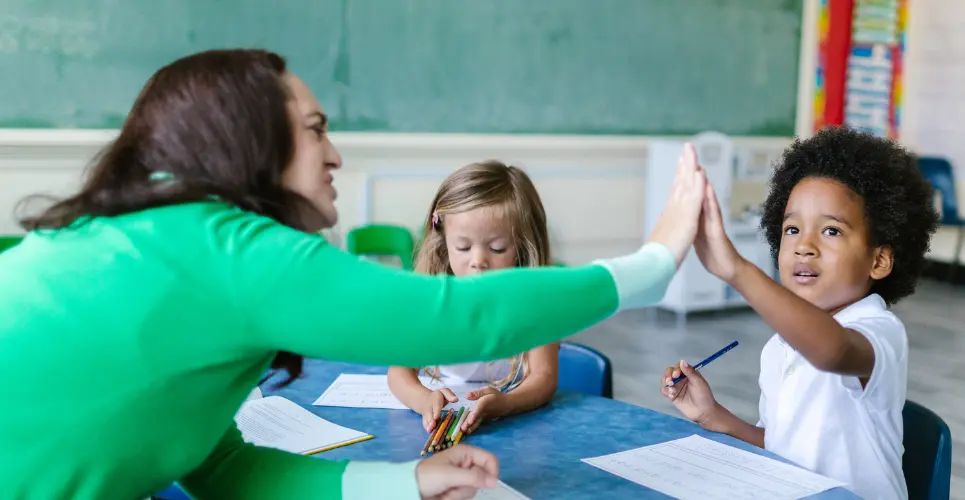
826,256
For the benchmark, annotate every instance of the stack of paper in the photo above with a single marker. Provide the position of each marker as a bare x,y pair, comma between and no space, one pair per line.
372,391
696,467
276,422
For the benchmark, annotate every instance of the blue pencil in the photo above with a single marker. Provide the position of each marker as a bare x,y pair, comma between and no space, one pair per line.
706,361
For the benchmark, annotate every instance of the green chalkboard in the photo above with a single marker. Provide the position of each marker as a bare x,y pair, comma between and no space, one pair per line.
485,66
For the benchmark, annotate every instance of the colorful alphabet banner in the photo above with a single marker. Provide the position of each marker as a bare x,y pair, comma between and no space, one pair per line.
873,85
820,82
859,65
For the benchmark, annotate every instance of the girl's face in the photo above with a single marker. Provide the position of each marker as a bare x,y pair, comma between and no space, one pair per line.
314,158
479,240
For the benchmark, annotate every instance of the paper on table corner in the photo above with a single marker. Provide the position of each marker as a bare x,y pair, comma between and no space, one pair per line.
372,391
697,467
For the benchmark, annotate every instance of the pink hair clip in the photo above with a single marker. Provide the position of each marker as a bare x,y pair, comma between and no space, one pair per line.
435,220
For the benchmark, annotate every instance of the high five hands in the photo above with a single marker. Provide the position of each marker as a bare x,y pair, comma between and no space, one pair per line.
692,216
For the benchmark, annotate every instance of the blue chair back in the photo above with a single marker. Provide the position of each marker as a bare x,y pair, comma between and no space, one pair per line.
585,370
927,462
939,173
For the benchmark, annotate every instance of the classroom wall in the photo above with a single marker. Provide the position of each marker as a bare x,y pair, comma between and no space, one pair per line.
592,187
934,108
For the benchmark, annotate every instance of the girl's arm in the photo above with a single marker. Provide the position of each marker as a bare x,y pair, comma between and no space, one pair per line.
538,387
298,294
406,387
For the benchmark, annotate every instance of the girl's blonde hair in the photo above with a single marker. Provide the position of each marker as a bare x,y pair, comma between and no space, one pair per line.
511,192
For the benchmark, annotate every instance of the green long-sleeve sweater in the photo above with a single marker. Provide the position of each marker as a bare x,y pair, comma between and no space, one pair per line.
127,344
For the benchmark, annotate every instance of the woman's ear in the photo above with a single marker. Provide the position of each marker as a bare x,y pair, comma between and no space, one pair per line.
883,262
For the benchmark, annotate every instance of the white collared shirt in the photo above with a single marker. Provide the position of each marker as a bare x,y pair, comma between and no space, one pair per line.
826,422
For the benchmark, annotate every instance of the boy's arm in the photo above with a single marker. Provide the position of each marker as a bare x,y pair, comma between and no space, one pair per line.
812,332
405,385
694,398
725,422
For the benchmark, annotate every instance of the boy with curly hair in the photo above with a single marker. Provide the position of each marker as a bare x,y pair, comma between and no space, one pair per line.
848,218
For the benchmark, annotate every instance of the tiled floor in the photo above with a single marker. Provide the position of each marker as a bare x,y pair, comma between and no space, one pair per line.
641,344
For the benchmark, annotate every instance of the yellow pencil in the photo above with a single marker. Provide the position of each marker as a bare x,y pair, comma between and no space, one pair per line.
458,436
359,440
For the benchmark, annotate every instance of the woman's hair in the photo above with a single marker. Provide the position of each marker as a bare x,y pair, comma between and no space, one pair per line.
487,184
217,123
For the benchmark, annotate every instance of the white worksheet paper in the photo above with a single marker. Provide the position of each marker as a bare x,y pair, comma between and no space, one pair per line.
276,422
372,391
502,491
699,468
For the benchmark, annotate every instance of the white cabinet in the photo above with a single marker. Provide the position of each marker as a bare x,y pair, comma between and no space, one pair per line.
693,288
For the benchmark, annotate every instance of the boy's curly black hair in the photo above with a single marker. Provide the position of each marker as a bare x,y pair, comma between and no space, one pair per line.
898,200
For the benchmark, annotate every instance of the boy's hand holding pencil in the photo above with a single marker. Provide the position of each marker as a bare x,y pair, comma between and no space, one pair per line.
687,389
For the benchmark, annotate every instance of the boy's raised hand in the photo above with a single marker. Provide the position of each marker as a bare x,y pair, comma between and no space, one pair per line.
678,222
713,247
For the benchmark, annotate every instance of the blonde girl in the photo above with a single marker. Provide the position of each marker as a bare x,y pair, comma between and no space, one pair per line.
486,216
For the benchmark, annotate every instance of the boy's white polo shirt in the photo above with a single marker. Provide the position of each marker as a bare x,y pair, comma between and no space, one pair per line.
826,422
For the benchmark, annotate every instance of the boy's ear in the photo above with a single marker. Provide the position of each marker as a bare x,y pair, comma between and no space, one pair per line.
883,262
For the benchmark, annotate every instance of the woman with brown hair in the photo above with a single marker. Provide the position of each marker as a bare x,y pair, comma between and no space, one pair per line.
137,314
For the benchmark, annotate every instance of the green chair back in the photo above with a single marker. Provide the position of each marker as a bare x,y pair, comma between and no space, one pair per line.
382,240
9,242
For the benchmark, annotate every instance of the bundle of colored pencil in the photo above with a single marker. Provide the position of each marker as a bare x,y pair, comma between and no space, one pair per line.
448,431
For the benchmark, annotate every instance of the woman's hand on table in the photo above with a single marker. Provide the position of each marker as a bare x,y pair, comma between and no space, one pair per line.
457,473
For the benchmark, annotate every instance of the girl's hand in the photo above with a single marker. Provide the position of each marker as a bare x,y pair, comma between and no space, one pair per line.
692,395
713,247
432,406
489,404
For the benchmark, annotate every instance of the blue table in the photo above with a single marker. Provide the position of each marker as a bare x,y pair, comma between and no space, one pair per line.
539,452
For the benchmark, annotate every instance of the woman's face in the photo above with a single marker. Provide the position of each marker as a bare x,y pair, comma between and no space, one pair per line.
315,157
